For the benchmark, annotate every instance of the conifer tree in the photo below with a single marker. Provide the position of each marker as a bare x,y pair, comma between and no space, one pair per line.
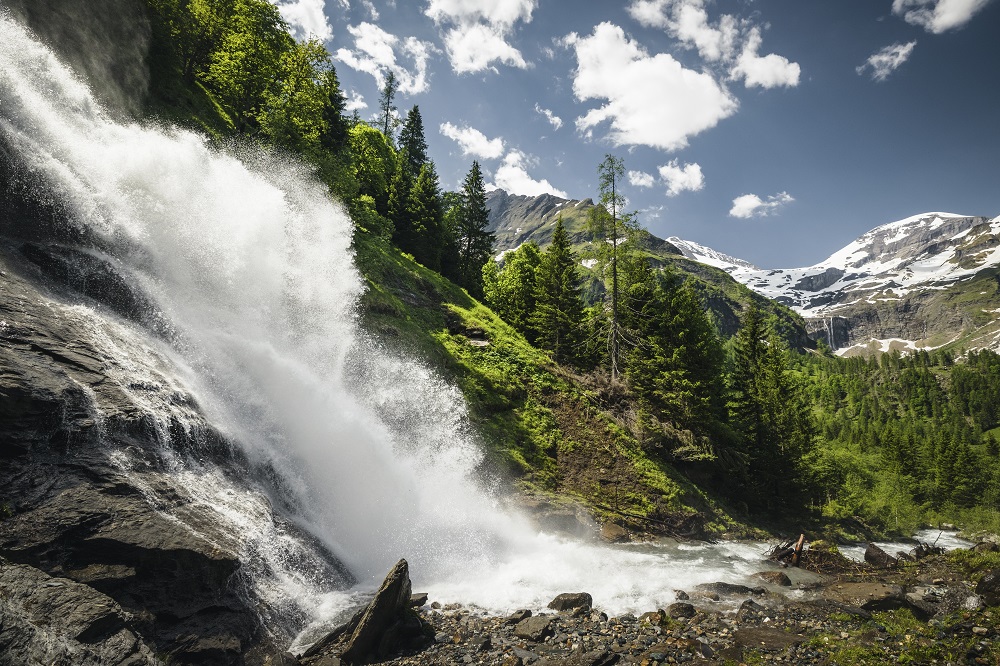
412,141
400,188
610,227
558,313
768,409
386,119
510,290
426,217
475,241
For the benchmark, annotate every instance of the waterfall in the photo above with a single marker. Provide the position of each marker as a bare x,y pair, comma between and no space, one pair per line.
829,334
247,261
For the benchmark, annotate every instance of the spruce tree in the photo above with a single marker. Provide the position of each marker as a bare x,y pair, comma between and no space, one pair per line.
558,313
426,217
475,241
386,119
412,141
400,188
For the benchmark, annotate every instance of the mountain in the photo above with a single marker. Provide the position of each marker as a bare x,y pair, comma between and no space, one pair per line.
517,219
925,281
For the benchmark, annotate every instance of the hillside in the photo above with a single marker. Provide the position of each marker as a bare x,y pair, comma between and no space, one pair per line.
926,281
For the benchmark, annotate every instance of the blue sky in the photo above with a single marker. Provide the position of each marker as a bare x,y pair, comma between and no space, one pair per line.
774,130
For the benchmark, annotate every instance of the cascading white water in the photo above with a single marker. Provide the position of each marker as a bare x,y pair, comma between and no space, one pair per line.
248,262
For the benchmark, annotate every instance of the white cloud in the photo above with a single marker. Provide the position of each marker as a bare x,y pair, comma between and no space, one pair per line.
937,16
641,179
473,48
356,102
751,205
512,176
375,53
478,32
372,11
680,178
553,119
652,100
768,71
887,60
731,44
473,142
306,18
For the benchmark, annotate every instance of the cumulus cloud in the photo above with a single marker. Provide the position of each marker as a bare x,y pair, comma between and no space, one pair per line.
681,178
375,53
553,119
478,32
473,142
729,44
751,205
512,176
887,60
641,179
768,71
937,16
356,102
306,18
651,100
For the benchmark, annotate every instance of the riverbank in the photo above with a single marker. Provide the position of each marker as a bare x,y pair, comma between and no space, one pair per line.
941,608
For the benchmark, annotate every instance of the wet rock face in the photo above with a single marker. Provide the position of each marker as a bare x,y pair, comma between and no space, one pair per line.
46,620
88,499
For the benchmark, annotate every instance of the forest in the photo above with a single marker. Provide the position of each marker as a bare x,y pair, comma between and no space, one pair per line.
875,445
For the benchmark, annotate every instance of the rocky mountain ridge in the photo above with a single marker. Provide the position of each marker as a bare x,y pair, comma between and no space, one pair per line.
925,281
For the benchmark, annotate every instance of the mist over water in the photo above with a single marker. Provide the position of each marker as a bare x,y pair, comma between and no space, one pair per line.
248,264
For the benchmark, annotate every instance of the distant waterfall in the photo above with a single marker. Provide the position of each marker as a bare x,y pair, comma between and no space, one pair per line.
830,335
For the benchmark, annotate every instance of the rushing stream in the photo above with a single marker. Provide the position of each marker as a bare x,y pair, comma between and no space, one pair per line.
248,264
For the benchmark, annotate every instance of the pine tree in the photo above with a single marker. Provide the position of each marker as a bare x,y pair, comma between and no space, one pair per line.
398,213
386,119
558,313
475,241
610,227
426,217
768,409
412,141
510,290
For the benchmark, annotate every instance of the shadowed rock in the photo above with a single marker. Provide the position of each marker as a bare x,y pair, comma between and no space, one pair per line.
571,600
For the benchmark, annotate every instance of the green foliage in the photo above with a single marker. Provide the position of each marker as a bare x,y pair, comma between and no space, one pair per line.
373,160
767,406
248,60
412,142
474,240
557,317
510,289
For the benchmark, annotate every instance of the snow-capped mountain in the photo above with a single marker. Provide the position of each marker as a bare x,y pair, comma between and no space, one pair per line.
881,286
707,255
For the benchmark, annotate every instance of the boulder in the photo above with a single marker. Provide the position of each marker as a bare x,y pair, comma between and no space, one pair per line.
614,533
773,578
571,600
764,638
730,589
867,596
517,616
681,610
379,629
534,628
878,558
988,587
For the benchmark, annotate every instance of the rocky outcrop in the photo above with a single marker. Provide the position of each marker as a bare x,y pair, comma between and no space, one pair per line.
47,620
92,432
385,626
